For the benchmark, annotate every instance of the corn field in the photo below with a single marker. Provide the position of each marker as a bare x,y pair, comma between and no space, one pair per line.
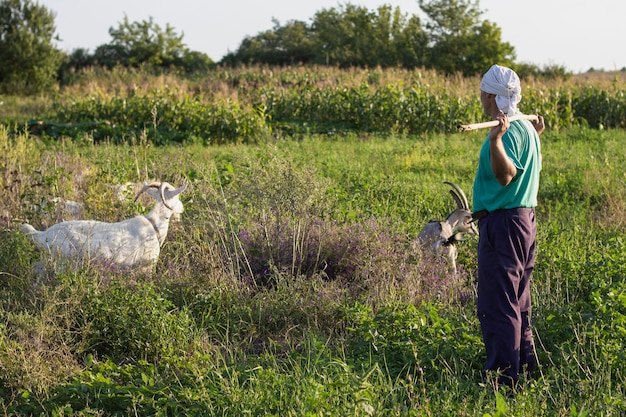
251,104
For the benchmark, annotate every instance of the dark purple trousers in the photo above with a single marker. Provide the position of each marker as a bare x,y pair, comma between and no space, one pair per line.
506,258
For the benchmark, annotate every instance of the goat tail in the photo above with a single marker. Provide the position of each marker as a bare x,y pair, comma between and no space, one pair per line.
27,229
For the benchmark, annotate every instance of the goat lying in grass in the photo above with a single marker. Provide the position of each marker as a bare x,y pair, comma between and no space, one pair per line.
440,237
132,244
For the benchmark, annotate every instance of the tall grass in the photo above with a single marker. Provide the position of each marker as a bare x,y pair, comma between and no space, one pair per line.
290,286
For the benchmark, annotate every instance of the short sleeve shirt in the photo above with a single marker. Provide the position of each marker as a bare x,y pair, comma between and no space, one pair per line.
522,145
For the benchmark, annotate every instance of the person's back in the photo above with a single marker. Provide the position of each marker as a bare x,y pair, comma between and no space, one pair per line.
523,147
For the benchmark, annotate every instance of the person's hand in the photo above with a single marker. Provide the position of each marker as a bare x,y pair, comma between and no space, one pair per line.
539,125
498,131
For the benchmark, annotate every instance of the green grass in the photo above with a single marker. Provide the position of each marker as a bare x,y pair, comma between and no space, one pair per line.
290,288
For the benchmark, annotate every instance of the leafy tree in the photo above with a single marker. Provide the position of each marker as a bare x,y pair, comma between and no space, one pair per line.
195,61
282,45
28,58
80,58
450,17
146,43
408,39
411,43
139,43
77,60
459,41
355,36
344,34
486,49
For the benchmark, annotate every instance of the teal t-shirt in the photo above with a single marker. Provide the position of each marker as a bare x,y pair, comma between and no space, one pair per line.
522,145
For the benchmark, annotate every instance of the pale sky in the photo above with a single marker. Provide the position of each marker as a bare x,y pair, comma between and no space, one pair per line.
576,34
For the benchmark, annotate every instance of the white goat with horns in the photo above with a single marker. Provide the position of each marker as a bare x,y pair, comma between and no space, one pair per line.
134,243
440,237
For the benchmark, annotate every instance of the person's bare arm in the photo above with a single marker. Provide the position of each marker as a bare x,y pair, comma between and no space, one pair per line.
501,165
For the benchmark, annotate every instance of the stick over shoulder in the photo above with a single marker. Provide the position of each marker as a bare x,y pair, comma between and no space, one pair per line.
492,123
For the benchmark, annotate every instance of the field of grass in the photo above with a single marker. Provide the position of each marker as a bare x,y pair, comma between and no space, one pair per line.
290,286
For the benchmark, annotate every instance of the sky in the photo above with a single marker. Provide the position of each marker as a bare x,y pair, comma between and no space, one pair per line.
576,34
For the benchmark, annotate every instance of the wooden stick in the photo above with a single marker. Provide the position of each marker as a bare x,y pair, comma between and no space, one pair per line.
474,126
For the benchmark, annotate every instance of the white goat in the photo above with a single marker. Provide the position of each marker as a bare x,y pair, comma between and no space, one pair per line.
440,237
130,244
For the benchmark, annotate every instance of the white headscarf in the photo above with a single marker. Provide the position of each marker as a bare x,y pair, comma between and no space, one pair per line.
505,84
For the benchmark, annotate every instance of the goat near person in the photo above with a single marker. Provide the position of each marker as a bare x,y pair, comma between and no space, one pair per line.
440,237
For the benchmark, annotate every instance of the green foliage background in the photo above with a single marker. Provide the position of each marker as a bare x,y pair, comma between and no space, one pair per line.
29,59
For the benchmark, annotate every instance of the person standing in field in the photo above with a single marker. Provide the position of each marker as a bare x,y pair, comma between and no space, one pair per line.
505,195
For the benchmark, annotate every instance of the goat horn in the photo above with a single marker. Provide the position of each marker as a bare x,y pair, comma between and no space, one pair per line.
146,186
172,192
459,196
162,192
179,190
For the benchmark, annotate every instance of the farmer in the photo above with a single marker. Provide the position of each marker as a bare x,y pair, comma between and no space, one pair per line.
505,194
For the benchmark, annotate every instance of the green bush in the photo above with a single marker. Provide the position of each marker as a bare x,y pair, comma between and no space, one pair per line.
129,323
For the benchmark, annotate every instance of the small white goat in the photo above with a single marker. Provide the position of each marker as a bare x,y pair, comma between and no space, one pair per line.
440,237
122,191
130,244
70,208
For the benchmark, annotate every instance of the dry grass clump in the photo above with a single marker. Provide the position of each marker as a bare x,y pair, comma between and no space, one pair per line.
35,182
612,213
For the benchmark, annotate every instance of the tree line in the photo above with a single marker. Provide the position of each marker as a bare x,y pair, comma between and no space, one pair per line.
451,38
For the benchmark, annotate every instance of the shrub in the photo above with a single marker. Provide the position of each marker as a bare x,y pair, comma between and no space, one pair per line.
131,323
315,247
